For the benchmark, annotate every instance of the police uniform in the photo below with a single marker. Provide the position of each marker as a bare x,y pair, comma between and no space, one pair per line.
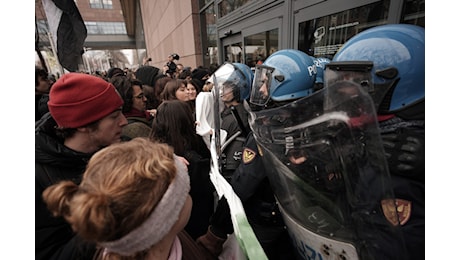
404,143
231,156
251,184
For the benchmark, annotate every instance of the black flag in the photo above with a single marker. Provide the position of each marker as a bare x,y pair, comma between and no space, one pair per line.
68,31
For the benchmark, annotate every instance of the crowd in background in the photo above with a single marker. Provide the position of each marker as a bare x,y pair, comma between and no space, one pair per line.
152,79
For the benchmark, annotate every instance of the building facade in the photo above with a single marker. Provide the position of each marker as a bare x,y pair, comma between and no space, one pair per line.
107,44
210,32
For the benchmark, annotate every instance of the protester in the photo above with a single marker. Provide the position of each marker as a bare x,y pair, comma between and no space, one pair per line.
193,90
134,107
114,72
85,116
174,125
133,202
42,89
172,67
175,89
148,75
201,74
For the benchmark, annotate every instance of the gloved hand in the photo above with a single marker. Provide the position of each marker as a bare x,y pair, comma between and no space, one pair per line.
211,242
221,222
405,151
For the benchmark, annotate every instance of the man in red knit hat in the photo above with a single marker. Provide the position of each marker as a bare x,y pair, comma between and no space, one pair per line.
85,116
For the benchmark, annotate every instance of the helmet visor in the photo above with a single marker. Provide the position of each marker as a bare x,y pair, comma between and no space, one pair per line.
228,78
358,72
260,93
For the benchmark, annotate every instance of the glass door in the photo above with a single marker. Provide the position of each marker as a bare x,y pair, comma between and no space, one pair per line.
233,49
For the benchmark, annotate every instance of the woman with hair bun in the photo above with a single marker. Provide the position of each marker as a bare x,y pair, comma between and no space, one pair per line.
133,202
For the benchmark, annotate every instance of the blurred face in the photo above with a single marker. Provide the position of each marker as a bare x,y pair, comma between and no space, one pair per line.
192,91
182,93
43,86
260,93
180,68
227,94
108,130
264,88
139,99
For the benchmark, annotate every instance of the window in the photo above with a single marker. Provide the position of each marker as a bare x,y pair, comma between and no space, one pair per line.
414,12
324,36
209,36
105,27
228,6
203,3
101,4
258,47
233,52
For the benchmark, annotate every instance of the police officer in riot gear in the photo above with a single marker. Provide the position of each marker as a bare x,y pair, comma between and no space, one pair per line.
235,80
325,157
250,182
398,55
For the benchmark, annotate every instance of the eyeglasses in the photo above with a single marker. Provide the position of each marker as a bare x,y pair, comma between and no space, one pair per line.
140,96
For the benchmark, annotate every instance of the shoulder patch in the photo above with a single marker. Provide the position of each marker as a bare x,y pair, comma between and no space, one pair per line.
389,211
248,155
403,210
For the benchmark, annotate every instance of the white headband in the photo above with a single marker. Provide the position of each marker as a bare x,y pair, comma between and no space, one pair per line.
162,219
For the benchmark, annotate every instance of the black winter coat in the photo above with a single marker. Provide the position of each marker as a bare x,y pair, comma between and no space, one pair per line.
54,238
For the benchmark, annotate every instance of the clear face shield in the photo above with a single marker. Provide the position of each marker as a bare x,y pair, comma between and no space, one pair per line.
260,93
228,81
325,160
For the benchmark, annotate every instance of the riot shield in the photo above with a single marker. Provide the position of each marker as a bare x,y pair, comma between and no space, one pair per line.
326,163
247,241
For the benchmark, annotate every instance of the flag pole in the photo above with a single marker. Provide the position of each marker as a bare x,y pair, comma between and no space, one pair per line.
53,48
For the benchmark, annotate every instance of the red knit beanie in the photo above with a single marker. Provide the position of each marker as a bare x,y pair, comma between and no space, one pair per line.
77,99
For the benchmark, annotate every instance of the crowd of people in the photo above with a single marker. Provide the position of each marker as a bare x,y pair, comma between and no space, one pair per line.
326,156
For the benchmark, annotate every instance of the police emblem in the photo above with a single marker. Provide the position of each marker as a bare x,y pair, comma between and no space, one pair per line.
404,208
248,155
397,210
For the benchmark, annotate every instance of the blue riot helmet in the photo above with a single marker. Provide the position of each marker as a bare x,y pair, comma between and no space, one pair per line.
285,75
234,77
320,64
248,76
398,55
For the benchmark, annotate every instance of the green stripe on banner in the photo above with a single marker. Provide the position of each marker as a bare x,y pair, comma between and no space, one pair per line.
246,238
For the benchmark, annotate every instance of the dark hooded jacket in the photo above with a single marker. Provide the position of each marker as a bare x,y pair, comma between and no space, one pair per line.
54,238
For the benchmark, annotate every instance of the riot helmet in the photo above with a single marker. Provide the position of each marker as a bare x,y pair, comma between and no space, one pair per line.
285,75
234,78
320,64
398,55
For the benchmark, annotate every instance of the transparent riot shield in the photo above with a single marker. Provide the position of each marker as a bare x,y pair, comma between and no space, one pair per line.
326,163
248,247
